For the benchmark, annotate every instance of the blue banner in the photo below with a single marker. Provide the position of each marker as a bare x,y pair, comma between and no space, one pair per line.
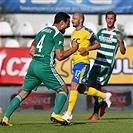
68,6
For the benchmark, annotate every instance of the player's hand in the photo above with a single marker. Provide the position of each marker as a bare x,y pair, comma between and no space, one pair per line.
75,46
82,50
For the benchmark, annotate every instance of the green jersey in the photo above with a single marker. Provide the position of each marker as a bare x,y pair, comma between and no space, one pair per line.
104,62
47,41
41,68
109,46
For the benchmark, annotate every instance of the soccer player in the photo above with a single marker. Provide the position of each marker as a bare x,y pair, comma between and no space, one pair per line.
110,39
47,45
87,42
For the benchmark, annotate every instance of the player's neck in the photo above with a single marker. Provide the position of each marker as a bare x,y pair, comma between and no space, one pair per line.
79,27
110,28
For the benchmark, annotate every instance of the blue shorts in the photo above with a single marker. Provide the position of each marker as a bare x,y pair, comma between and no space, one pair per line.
80,72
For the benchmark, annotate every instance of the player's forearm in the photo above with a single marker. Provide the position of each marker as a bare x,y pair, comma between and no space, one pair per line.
61,54
32,50
95,46
65,54
122,48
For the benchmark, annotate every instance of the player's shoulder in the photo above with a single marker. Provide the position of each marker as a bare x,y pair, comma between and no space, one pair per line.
117,31
103,29
88,29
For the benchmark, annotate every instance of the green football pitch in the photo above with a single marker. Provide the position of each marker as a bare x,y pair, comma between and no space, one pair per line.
39,122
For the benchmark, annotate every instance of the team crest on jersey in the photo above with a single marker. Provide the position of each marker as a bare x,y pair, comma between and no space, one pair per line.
111,36
60,43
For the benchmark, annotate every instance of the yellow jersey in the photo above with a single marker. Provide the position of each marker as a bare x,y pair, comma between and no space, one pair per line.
84,37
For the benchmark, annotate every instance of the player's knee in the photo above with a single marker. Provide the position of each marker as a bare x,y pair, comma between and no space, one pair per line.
23,94
81,88
63,88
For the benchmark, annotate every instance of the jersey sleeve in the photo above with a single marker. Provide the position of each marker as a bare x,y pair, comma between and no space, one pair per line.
33,43
122,36
98,34
59,42
92,36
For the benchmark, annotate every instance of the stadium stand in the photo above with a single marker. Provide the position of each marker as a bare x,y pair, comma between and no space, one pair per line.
12,43
29,43
128,29
24,29
91,26
5,29
43,25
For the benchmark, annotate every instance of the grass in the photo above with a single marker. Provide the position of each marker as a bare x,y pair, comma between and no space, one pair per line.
39,122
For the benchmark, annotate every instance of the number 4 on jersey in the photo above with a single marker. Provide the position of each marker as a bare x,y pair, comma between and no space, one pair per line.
39,45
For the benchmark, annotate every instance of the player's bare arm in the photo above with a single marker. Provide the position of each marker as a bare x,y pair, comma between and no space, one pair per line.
32,50
95,45
61,54
122,46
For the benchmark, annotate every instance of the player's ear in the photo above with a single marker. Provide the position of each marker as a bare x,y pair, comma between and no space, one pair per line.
62,23
81,20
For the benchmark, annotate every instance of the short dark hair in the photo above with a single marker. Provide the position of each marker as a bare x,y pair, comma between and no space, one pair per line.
61,16
111,12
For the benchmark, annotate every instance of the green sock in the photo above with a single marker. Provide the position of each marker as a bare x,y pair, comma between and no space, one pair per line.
13,106
60,101
97,106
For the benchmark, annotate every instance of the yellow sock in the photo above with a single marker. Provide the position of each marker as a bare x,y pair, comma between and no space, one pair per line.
93,92
72,100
